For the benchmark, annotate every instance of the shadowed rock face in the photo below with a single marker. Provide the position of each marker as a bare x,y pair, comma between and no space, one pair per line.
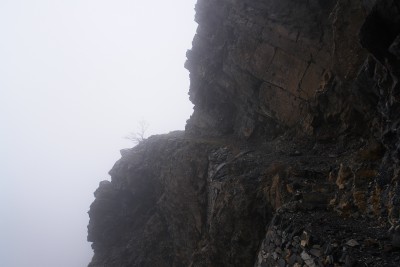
257,65
291,156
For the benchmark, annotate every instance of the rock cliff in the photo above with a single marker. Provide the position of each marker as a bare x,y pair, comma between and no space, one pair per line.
291,157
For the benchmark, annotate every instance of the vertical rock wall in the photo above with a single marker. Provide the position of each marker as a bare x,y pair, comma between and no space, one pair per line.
291,157
257,65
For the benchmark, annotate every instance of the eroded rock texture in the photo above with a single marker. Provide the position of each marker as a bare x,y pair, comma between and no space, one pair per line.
291,157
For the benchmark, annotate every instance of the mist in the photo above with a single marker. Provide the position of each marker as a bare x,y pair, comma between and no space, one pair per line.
76,77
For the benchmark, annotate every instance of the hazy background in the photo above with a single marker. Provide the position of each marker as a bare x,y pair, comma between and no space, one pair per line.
76,76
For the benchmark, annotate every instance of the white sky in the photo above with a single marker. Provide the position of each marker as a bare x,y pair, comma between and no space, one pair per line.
76,76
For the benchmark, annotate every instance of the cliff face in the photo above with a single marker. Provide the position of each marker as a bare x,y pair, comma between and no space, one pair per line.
291,156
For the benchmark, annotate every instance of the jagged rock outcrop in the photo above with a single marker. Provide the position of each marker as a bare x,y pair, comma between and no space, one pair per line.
291,157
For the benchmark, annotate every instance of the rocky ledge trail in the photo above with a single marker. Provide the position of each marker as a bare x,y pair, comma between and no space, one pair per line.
291,157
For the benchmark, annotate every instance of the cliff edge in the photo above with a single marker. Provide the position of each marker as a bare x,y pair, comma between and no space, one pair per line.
291,157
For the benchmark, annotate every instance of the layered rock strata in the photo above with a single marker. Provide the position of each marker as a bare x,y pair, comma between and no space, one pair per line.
291,157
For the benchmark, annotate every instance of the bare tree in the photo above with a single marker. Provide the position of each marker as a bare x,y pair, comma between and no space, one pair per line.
141,133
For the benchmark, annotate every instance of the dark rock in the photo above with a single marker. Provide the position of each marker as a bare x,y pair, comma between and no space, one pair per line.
292,259
281,263
315,252
291,156
395,234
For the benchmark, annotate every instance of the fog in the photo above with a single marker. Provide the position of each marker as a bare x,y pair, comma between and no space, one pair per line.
76,77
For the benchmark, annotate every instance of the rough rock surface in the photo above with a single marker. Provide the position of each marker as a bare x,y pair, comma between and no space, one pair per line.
291,157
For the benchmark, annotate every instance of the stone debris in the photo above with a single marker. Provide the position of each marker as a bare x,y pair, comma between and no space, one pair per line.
352,243
328,241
